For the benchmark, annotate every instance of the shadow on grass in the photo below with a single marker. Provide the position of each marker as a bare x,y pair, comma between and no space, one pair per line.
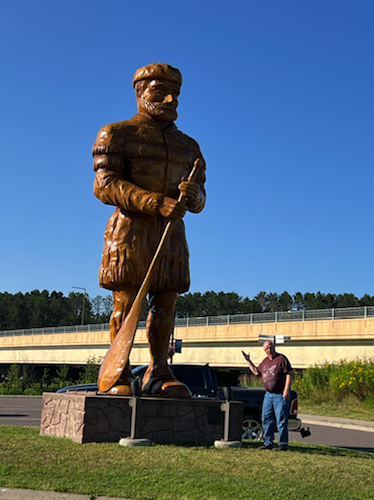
313,449
32,433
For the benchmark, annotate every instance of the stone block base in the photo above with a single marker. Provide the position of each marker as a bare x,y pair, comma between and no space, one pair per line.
86,418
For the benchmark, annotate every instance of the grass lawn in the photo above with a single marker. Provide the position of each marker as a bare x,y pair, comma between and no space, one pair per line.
350,407
28,460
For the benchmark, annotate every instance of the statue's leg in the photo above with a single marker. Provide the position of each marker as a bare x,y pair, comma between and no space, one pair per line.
122,302
158,379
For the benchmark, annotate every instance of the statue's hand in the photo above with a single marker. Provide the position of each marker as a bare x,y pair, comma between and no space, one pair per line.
189,189
172,208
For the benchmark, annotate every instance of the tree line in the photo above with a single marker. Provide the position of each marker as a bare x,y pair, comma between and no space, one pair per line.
44,309
216,304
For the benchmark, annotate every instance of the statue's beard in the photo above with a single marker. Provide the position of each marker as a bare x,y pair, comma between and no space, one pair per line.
159,110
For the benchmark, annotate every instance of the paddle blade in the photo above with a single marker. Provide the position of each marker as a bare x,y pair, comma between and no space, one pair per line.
118,353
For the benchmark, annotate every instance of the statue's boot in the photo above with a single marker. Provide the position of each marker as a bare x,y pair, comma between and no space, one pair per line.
158,379
123,385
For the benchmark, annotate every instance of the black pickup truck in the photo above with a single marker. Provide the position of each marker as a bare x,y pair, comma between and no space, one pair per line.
202,381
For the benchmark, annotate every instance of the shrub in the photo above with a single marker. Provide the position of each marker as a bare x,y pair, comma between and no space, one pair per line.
337,380
249,380
90,372
313,384
34,390
62,376
21,379
355,377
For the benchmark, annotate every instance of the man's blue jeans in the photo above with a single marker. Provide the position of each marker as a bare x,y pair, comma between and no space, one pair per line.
275,415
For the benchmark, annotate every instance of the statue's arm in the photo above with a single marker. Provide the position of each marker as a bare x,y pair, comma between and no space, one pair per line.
111,187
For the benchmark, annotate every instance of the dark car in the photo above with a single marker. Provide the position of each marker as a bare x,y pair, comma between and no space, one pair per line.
80,388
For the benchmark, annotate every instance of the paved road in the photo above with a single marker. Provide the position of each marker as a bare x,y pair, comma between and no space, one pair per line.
20,410
333,436
18,494
26,411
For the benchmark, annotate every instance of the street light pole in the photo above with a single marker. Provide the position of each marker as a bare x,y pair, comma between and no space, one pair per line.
84,296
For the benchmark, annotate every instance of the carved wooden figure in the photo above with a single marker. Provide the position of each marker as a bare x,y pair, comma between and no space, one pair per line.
145,167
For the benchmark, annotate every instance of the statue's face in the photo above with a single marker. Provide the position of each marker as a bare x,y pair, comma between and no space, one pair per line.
159,100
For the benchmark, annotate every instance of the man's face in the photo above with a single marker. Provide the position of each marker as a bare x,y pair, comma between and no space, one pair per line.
269,349
159,100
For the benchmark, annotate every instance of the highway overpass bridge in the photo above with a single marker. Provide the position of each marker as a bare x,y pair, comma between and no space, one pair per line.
315,337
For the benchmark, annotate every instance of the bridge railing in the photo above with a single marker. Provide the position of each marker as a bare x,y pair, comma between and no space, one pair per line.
267,317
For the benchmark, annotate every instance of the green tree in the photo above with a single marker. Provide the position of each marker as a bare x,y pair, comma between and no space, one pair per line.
367,300
90,372
97,308
76,309
298,301
273,302
310,301
18,314
330,301
44,379
250,306
62,376
58,309
37,303
347,300
14,382
189,305
262,300
285,301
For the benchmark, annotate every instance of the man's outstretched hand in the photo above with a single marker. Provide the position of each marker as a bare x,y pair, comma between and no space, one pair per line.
246,356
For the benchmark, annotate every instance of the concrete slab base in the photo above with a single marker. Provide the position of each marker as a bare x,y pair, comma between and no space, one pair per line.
85,418
132,443
227,444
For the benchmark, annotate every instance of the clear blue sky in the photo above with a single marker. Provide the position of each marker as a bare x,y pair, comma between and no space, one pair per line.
279,95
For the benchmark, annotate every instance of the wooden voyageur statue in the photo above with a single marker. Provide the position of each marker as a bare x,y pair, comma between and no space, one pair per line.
143,167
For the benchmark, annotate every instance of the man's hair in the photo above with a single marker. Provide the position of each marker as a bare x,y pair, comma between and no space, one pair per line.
271,343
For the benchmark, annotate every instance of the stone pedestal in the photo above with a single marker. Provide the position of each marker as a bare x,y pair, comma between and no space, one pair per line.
85,418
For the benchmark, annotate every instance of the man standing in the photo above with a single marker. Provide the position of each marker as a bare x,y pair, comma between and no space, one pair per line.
142,166
276,374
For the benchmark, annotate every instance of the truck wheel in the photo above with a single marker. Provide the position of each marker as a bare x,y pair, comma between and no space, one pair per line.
252,429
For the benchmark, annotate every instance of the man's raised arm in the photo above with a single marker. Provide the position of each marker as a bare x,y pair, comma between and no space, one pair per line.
252,367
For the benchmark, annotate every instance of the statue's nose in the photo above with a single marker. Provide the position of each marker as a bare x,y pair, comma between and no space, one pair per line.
168,98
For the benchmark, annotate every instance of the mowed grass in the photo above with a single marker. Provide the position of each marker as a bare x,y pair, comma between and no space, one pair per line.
349,407
28,460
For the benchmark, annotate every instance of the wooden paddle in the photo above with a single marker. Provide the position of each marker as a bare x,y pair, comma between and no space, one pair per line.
119,351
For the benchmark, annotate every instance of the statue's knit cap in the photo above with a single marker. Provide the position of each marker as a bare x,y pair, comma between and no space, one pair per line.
158,71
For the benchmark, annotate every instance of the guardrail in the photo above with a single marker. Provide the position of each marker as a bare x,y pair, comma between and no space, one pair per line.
267,317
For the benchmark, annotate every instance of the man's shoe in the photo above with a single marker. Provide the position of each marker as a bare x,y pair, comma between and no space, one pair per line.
265,447
281,447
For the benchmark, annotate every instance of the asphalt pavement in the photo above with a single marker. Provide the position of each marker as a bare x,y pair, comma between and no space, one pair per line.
21,494
341,423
